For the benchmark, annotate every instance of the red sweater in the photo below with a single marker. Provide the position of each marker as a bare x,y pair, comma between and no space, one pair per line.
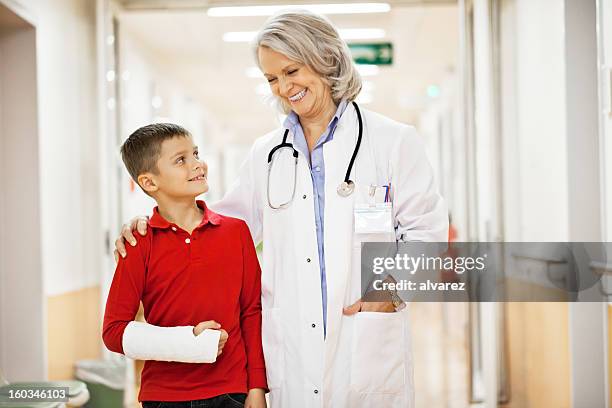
182,280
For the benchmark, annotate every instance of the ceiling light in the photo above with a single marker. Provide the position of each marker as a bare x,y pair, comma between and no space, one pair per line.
346,34
347,8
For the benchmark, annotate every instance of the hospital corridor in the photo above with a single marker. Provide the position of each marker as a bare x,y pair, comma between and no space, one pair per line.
509,107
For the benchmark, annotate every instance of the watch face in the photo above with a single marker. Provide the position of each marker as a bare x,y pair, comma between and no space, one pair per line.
398,303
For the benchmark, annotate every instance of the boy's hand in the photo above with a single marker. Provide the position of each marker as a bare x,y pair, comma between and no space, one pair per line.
255,399
211,324
136,223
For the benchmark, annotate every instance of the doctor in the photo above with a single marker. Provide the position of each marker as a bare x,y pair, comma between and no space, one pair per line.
307,190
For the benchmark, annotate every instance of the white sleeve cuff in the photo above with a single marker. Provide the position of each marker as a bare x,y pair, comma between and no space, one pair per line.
143,341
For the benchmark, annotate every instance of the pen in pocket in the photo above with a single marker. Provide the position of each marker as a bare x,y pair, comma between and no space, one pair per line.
388,193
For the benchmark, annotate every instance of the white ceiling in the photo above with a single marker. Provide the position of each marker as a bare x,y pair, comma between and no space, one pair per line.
425,40
200,4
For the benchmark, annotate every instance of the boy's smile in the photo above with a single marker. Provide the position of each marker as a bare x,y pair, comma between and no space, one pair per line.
201,177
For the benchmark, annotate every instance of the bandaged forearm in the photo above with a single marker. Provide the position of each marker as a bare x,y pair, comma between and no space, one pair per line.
143,341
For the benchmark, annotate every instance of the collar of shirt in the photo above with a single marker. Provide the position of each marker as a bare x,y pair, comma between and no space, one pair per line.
157,221
292,122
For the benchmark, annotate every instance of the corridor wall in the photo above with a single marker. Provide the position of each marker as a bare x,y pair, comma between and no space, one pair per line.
71,239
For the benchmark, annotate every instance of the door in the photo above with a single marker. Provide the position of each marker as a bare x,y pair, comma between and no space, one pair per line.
22,349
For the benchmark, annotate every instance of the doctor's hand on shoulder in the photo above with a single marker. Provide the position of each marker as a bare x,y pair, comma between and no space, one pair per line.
127,235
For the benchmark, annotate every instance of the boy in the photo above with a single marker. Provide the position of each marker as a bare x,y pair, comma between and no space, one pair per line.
197,275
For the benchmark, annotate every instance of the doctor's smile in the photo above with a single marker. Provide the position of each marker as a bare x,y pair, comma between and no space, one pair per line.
298,96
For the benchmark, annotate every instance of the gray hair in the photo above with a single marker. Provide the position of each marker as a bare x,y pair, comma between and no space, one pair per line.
310,39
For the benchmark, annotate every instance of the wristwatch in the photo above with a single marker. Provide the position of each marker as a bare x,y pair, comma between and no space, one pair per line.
397,301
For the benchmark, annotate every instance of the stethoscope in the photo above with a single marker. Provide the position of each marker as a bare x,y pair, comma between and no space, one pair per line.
345,188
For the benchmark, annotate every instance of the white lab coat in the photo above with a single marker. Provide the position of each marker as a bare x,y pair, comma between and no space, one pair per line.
365,359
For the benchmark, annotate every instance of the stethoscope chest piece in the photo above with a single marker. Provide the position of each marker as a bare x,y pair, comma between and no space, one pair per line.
346,188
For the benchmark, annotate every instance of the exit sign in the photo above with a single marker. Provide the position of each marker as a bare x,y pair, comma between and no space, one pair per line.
372,53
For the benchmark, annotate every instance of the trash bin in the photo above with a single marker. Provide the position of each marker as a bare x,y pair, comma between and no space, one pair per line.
105,381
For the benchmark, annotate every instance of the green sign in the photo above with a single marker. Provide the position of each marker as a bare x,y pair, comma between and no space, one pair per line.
372,53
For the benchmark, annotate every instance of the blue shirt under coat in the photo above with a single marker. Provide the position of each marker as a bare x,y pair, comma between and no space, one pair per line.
317,173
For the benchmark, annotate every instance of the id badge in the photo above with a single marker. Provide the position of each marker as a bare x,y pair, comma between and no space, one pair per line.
373,213
373,219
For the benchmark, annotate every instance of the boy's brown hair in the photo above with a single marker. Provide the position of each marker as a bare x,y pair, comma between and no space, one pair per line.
142,148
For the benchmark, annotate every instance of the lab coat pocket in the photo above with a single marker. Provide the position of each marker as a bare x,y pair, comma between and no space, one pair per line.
272,342
362,266
378,349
